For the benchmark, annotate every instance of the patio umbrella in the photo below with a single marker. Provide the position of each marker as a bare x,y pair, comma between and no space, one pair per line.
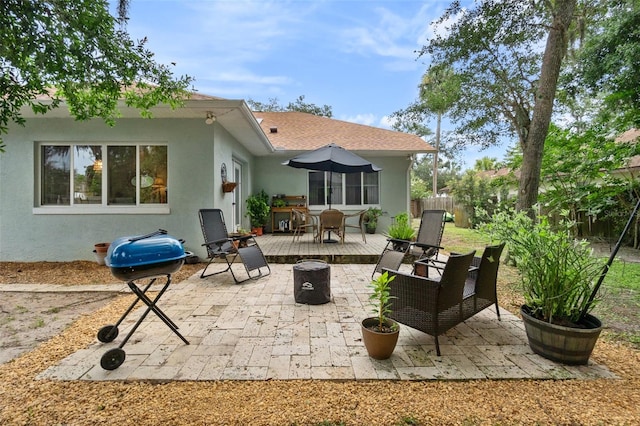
332,158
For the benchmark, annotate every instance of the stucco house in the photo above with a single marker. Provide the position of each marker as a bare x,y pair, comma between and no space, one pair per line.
67,184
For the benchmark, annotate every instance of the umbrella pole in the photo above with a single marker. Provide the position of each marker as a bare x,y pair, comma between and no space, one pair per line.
329,240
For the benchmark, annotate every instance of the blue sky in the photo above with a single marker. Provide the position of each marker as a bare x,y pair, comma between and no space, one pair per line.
357,56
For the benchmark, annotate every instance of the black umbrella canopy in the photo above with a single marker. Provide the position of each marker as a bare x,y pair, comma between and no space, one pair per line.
332,158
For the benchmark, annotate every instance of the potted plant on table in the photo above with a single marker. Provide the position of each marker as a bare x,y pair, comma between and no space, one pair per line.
379,333
371,219
558,275
401,232
258,211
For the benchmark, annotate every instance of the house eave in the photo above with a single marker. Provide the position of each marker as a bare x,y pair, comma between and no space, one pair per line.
234,115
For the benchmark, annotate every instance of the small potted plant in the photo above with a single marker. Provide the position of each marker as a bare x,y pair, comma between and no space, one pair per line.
401,232
371,219
379,333
258,211
558,275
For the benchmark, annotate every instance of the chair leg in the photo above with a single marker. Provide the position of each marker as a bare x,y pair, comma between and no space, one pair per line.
203,275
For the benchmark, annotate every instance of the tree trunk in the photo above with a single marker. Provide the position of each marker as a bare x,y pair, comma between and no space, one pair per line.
552,60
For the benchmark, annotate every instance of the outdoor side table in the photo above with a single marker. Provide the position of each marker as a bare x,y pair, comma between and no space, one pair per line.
312,282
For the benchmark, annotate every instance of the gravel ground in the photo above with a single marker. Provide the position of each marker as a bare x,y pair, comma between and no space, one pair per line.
27,401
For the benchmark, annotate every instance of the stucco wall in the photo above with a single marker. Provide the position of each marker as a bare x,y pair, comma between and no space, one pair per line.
194,182
274,178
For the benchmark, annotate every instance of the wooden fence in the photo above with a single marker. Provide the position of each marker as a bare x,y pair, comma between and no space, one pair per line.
448,204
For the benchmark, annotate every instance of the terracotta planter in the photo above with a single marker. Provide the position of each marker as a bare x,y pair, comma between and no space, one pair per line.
257,231
379,345
568,345
101,247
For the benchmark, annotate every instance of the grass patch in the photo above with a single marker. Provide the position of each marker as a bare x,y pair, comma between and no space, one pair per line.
623,275
463,240
38,323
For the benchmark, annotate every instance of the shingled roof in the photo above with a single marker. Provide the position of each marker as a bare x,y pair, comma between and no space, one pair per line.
299,131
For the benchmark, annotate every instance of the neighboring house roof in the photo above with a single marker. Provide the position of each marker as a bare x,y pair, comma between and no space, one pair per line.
299,131
503,172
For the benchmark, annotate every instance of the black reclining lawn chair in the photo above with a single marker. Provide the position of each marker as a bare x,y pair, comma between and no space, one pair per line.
425,247
222,246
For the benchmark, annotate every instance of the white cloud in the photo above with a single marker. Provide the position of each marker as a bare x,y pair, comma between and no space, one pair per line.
386,122
366,119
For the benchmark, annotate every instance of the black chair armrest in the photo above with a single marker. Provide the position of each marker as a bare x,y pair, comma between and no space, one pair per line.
217,242
242,237
424,245
399,241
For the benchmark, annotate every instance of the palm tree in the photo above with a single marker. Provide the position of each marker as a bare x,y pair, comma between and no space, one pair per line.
439,90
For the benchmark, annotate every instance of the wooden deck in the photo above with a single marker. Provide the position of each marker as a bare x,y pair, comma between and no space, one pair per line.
280,248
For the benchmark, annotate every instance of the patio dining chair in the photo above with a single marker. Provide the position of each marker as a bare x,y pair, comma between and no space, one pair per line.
332,220
222,246
359,226
304,222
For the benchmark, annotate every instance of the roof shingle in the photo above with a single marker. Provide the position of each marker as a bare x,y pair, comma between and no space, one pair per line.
299,131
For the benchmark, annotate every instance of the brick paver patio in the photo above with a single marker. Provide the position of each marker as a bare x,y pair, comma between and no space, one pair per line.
256,331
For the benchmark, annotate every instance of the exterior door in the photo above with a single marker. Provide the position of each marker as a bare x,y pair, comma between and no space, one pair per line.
237,195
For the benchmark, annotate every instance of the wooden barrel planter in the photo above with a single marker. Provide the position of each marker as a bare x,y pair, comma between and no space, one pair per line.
568,345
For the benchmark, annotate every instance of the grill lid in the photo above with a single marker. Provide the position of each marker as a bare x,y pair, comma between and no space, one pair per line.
144,250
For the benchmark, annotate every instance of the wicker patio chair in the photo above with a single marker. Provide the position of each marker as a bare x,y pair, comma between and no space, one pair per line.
431,305
303,222
360,225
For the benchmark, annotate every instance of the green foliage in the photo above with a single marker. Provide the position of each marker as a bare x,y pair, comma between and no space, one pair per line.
371,217
278,202
608,62
474,192
381,298
558,272
258,208
583,182
73,51
401,228
497,63
418,188
299,105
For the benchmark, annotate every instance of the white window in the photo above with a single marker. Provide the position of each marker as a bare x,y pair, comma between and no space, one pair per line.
103,175
350,189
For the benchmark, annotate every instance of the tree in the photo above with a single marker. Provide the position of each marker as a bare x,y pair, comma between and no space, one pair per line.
72,51
439,90
486,164
509,89
299,105
583,184
610,63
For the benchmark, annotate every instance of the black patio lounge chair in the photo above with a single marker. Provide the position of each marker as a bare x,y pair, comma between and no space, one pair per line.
425,247
466,286
427,243
222,246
